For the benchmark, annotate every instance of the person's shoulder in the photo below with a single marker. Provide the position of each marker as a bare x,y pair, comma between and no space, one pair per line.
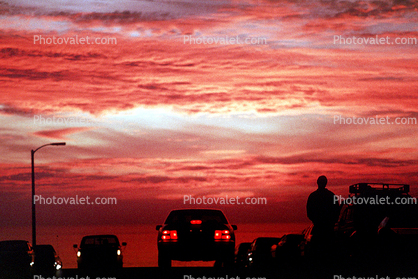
314,192
311,196
330,193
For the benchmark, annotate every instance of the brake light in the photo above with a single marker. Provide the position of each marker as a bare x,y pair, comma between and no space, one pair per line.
222,235
196,222
172,234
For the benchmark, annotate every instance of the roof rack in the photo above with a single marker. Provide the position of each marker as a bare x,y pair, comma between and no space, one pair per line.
375,188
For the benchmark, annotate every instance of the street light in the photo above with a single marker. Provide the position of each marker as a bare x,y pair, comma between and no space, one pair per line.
32,153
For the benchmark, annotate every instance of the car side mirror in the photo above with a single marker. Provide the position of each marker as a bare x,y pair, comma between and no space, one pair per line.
234,227
123,243
158,227
75,246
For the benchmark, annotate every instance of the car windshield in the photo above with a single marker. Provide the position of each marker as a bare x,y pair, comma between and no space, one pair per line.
14,246
266,242
100,241
185,216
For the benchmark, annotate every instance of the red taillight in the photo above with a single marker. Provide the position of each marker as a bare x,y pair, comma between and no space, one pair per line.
169,235
222,235
196,222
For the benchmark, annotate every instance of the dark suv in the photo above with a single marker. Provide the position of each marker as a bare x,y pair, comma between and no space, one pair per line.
99,253
378,228
16,256
196,235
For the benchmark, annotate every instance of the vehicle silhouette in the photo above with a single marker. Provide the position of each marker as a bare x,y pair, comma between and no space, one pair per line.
378,233
47,262
288,250
99,253
241,253
16,256
259,254
196,235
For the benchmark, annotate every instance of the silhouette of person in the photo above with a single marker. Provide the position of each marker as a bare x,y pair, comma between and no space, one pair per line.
323,210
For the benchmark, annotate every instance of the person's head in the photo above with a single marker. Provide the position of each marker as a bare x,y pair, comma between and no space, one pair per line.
322,182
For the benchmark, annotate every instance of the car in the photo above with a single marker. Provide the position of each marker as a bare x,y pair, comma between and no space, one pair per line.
241,253
287,251
196,235
259,254
100,253
378,232
46,260
16,256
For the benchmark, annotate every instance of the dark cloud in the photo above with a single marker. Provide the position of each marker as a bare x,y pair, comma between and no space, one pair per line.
16,52
10,110
60,133
32,74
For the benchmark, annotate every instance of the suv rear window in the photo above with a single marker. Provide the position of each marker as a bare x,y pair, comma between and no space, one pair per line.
97,241
404,216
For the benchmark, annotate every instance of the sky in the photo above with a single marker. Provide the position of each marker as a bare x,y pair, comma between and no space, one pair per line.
158,114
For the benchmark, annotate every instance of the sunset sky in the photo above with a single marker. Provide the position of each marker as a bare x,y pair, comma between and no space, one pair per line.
153,118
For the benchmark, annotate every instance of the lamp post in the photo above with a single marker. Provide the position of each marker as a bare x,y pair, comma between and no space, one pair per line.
32,153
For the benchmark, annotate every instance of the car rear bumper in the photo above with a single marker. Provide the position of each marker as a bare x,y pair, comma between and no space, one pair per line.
100,263
197,252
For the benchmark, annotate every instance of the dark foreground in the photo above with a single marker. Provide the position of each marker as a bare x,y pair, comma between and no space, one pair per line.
323,272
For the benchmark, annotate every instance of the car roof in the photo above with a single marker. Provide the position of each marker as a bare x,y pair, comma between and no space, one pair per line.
293,235
385,189
262,240
14,241
100,235
267,238
196,209
12,244
44,247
